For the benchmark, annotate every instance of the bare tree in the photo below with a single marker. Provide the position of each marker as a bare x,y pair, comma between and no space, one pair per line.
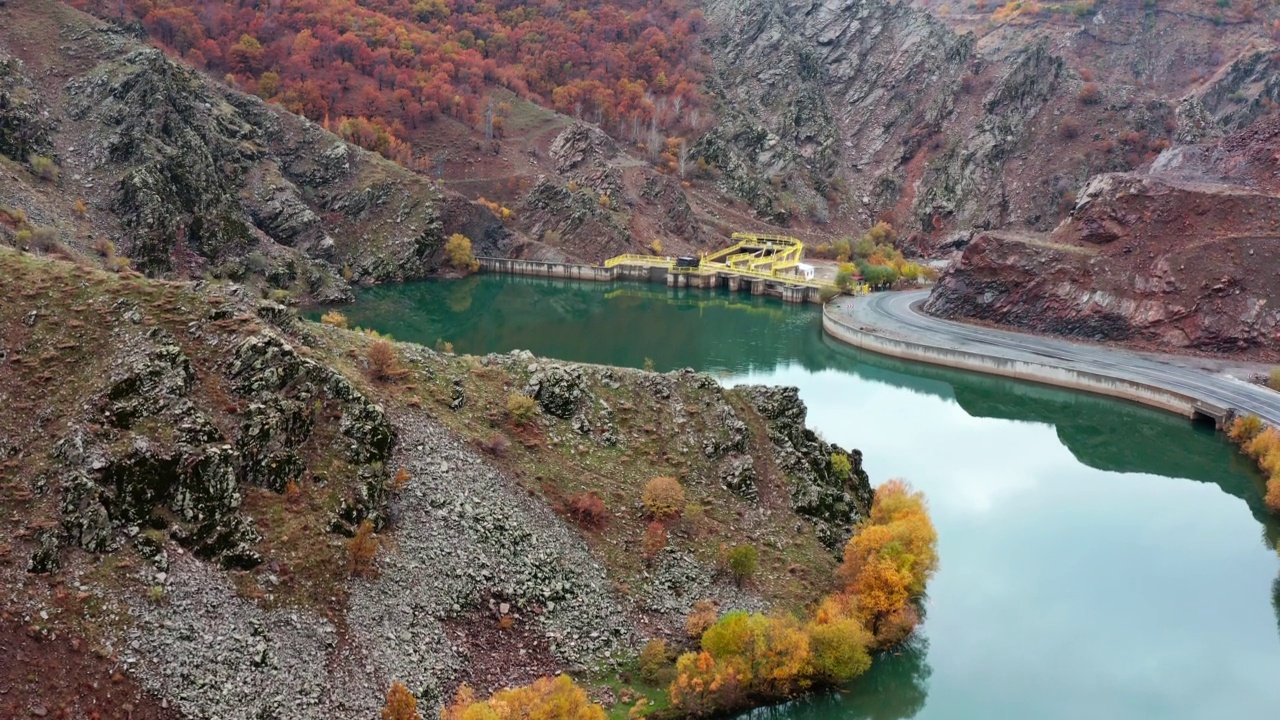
488,120
695,117
683,157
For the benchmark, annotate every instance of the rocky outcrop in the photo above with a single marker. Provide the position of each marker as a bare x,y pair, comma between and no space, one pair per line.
834,503
24,121
164,464
850,111
187,177
580,147
966,180
1171,257
557,388
555,210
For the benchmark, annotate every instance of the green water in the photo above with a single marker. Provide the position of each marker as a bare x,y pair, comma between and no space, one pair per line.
1099,559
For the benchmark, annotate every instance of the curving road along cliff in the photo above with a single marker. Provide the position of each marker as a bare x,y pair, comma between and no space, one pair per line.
893,323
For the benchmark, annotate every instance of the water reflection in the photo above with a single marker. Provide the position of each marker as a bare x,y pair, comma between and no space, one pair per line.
895,688
1275,598
1101,433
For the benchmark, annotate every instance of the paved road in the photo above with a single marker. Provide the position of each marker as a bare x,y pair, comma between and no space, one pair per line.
898,315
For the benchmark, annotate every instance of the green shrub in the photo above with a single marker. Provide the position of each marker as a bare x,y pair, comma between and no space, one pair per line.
656,664
840,466
742,562
1273,379
44,167
840,649
521,408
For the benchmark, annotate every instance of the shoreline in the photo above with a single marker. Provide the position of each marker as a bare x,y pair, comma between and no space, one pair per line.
889,324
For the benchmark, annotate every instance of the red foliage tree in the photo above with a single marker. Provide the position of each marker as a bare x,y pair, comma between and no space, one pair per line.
398,63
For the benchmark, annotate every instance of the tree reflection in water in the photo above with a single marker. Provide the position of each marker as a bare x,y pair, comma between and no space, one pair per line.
895,688
1275,597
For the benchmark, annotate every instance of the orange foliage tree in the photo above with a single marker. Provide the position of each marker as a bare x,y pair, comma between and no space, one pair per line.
544,699
890,559
401,704
361,549
1262,443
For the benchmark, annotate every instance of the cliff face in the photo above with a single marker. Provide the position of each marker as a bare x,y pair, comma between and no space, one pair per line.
813,94
1178,256
186,177
945,119
869,109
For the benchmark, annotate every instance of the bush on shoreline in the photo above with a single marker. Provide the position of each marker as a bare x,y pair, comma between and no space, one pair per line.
746,659
1262,443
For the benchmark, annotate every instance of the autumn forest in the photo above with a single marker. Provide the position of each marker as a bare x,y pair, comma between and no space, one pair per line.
378,71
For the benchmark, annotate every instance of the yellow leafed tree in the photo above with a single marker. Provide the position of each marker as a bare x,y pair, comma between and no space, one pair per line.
458,249
544,699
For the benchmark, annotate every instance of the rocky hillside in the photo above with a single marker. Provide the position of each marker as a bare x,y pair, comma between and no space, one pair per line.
1178,256
105,140
947,121
185,467
943,117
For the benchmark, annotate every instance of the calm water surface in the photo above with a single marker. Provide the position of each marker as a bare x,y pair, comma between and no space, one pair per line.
1099,560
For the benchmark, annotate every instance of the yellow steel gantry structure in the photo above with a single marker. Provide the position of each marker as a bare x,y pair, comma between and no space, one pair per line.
754,255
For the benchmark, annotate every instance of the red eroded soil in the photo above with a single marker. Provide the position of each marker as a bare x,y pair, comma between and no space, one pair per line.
1181,255
62,678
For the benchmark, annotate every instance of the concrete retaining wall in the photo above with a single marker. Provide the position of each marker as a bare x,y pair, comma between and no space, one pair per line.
546,269
1020,369
571,271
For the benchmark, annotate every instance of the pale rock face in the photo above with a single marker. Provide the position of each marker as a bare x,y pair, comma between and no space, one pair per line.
818,91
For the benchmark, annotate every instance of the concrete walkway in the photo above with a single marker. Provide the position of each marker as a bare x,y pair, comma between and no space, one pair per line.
892,323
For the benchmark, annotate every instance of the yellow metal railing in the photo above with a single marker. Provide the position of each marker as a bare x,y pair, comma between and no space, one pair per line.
715,256
788,279
766,236
637,260
754,256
